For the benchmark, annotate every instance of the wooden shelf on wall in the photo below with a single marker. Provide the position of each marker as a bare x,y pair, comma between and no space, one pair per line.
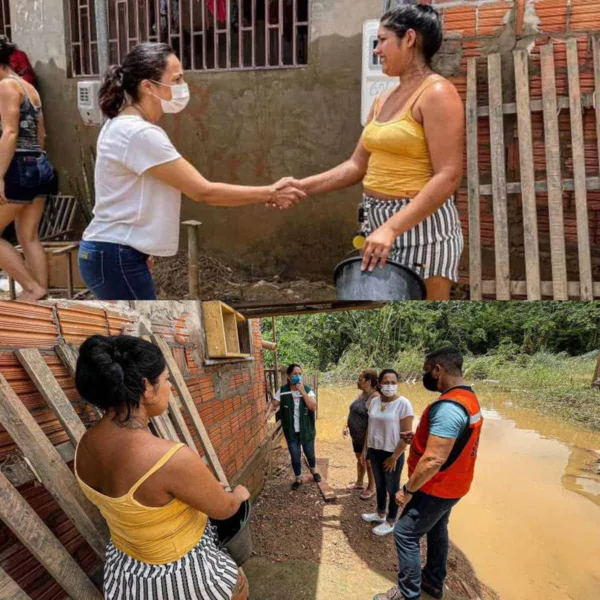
221,325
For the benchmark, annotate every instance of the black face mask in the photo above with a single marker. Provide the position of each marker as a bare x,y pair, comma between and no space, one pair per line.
430,382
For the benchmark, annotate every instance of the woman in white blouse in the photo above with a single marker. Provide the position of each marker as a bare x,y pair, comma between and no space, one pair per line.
140,177
390,415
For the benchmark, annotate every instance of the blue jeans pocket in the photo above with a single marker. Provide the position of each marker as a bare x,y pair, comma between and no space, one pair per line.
91,267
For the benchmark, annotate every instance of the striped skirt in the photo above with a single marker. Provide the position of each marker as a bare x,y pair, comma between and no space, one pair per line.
432,248
204,573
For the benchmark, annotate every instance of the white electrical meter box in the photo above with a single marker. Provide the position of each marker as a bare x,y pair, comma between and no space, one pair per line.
88,104
373,81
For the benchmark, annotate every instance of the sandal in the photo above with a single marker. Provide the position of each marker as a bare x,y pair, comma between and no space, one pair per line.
355,486
367,494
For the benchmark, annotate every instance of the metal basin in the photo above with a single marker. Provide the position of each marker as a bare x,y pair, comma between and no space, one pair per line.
393,282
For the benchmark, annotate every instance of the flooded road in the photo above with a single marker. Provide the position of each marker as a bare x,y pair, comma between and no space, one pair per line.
531,523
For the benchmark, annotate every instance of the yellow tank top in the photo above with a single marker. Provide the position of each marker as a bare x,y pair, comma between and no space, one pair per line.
153,535
399,164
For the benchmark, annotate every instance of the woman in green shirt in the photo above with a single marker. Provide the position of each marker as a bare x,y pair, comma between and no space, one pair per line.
298,404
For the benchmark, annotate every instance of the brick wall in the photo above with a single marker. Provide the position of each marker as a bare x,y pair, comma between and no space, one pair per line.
476,29
230,398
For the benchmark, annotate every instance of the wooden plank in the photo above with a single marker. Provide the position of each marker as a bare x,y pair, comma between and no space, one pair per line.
214,328
553,173
577,144
36,367
177,416
510,108
24,522
9,590
528,201
188,402
327,491
171,431
473,183
541,186
519,288
501,246
596,53
68,354
160,427
52,471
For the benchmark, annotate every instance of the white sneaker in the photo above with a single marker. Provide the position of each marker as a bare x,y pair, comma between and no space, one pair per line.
383,529
373,518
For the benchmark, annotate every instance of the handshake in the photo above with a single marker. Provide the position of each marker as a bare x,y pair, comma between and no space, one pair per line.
285,193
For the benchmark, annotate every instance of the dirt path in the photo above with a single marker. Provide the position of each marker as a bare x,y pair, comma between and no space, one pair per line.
307,549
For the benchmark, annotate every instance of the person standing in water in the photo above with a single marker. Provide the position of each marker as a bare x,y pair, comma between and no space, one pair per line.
390,416
298,405
140,178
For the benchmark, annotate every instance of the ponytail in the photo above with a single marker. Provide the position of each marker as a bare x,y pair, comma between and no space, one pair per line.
112,93
147,60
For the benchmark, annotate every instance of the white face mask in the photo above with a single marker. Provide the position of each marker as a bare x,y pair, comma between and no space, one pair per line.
180,98
389,390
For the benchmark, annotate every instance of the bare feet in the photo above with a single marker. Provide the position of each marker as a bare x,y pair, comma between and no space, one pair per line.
36,292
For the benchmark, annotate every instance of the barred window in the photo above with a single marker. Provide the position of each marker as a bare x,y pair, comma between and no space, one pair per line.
207,35
5,18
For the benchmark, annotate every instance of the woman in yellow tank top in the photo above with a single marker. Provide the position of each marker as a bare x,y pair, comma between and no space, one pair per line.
409,157
155,495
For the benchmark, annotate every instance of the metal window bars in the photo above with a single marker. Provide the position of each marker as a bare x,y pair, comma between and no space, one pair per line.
5,18
207,35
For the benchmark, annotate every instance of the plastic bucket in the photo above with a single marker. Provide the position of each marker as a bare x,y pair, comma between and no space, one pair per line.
393,282
234,534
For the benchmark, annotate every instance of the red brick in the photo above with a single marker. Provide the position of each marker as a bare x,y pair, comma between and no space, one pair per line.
490,17
552,15
460,19
585,15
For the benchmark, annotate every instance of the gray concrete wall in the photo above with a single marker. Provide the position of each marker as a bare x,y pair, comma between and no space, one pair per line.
247,127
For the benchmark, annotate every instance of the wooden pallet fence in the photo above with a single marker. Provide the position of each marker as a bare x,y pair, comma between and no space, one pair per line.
502,287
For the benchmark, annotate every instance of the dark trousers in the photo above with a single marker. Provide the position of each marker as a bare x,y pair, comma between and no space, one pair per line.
423,515
387,483
294,447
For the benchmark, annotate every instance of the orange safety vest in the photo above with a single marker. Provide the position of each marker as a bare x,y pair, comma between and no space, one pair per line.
454,478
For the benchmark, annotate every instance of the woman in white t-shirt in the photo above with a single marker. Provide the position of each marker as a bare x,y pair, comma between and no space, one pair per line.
390,415
140,177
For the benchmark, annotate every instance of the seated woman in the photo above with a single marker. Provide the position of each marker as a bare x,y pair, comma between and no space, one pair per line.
298,404
390,416
357,425
155,495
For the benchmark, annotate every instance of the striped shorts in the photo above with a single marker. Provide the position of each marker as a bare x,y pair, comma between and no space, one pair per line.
432,248
204,573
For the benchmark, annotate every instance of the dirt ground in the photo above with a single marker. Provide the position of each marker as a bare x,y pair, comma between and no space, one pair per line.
332,551
235,286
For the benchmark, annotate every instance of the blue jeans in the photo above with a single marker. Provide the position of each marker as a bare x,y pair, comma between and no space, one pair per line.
423,515
294,446
387,483
115,272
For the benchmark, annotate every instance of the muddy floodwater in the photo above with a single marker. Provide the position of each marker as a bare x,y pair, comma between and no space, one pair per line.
531,522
